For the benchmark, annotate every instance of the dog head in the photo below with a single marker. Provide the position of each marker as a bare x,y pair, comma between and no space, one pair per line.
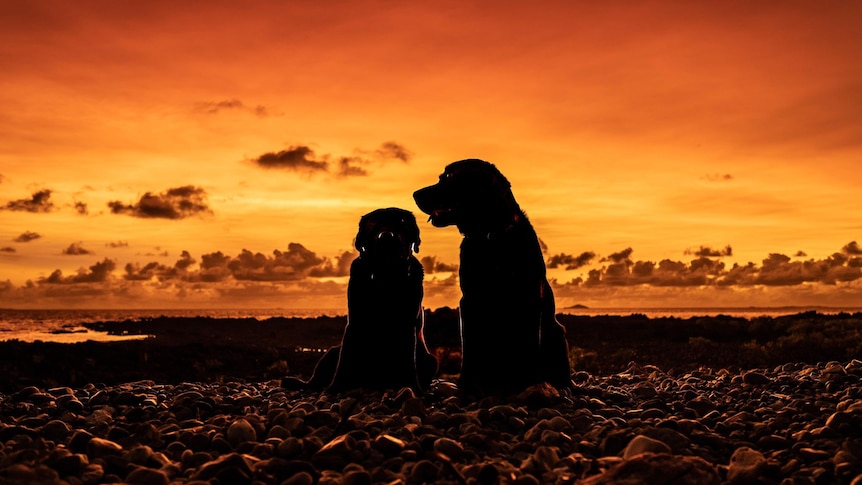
471,194
387,234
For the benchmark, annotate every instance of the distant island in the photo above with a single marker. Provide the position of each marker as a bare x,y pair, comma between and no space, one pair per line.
577,306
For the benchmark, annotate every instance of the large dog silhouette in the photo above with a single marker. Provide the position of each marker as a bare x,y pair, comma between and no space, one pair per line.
383,346
510,337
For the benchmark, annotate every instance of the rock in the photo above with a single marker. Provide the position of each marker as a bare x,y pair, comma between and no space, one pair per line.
147,476
230,468
301,478
389,445
139,455
240,431
812,454
773,442
424,471
653,413
449,447
539,396
755,378
676,440
99,448
838,419
335,454
833,372
650,468
643,444
93,473
56,430
413,406
357,477
702,405
68,463
544,459
745,466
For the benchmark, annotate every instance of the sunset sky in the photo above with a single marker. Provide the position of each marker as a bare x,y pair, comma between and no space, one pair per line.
219,154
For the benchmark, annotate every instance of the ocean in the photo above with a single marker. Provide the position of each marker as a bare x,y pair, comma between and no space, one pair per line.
66,326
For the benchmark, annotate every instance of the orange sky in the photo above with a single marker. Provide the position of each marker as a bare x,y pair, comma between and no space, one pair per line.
130,171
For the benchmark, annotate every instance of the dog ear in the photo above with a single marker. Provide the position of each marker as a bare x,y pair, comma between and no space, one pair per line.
413,231
360,242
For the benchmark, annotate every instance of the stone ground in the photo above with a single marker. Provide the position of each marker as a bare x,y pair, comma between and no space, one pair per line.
792,424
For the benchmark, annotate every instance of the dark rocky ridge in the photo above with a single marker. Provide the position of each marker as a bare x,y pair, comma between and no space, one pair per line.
208,349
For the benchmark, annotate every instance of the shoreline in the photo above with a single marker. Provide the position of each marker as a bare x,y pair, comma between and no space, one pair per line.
68,325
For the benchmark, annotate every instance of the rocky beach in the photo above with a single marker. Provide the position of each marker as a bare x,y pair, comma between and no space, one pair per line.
694,401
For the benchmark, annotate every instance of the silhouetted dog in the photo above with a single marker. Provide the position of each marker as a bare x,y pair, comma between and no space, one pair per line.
383,346
510,336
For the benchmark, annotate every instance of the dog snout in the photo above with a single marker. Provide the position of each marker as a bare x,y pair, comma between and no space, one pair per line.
386,235
423,198
388,241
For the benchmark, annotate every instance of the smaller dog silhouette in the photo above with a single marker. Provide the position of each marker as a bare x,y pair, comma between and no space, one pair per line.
383,346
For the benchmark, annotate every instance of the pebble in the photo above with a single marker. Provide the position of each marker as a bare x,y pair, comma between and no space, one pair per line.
100,448
240,431
797,423
449,447
746,465
643,444
147,476
648,468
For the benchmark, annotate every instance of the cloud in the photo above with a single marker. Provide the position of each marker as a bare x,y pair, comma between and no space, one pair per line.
779,270
852,248
75,249
39,202
352,167
215,107
176,203
298,158
185,261
97,273
431,265
290,265
298,274
294,264
303,159
81,208
717,177
708,252
7,249
117,244
708,271
571,261
341,266
393,151
158,271
543,246
620,257
27,236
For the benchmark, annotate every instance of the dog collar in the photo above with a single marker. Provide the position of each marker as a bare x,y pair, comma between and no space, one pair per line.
494,234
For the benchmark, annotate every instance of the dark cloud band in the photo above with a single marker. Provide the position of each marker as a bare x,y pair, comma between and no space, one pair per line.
176,203
303,159
39,202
